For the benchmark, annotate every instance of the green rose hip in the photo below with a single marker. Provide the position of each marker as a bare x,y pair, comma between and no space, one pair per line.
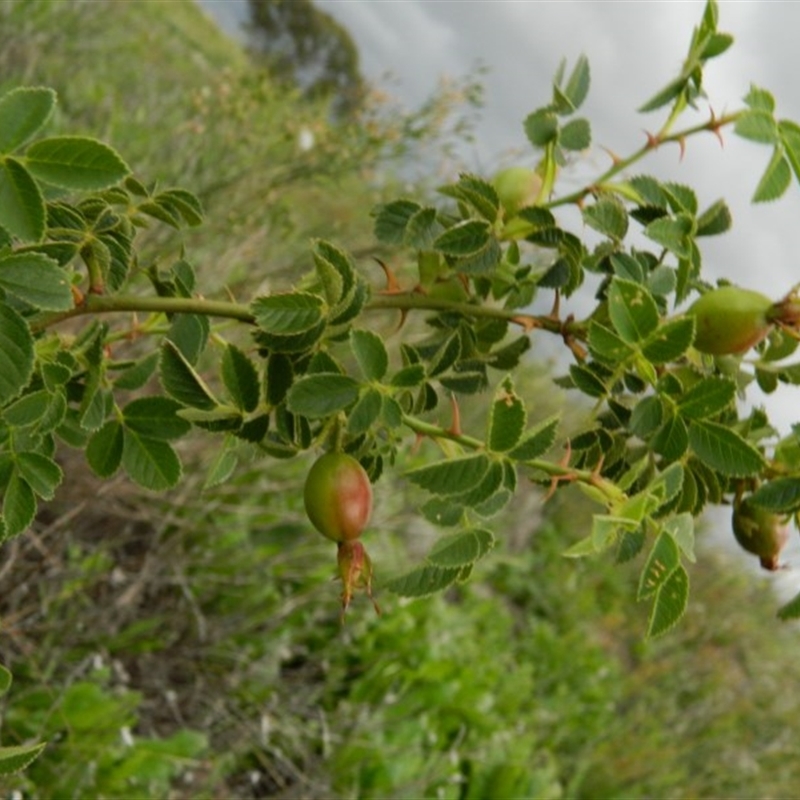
517,187
760,532
730,320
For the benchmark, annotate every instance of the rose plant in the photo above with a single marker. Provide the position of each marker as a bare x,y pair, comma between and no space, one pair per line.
661,439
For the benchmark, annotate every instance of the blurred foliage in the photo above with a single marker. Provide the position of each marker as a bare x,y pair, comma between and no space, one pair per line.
189,646
186,105
203,633
306,47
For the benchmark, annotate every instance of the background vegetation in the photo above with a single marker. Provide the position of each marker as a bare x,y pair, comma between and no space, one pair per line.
190,645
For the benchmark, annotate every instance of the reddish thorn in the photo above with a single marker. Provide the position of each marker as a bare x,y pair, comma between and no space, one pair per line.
77,296
682,145
392,284
615,159
134,332
556,479
551,490
556,309
569,340
526,322
403,317
653,141
595,476
455,428
715,127
578,350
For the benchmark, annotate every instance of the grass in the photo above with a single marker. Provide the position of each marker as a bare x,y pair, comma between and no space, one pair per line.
189,646
219,624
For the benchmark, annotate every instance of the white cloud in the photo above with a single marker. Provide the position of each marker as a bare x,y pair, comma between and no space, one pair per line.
398,37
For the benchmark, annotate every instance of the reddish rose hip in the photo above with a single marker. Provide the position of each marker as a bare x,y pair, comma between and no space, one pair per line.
338,497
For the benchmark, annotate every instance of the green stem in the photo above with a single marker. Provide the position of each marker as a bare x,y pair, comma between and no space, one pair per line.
435,432
713,125
106,304
406,301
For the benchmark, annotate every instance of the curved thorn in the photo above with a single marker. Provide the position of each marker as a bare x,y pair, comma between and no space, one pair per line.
455,427
392,284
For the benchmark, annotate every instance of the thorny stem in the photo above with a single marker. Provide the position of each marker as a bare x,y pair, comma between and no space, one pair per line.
591,478
435,432
620,165
414,300
104,304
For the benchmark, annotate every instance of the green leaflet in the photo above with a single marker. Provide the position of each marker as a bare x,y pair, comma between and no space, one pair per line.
23,112
16,758
465,238
36,279
780,495
181,381
240,377
317,396
22,209
461,549
424,580
75,162
670,602
507,419
16,353
40,472
723,449
665,580
452,476
155,417
707,398
632,309
370,352
152,463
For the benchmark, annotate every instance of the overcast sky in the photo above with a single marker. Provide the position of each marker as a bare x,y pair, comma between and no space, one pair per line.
634,48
